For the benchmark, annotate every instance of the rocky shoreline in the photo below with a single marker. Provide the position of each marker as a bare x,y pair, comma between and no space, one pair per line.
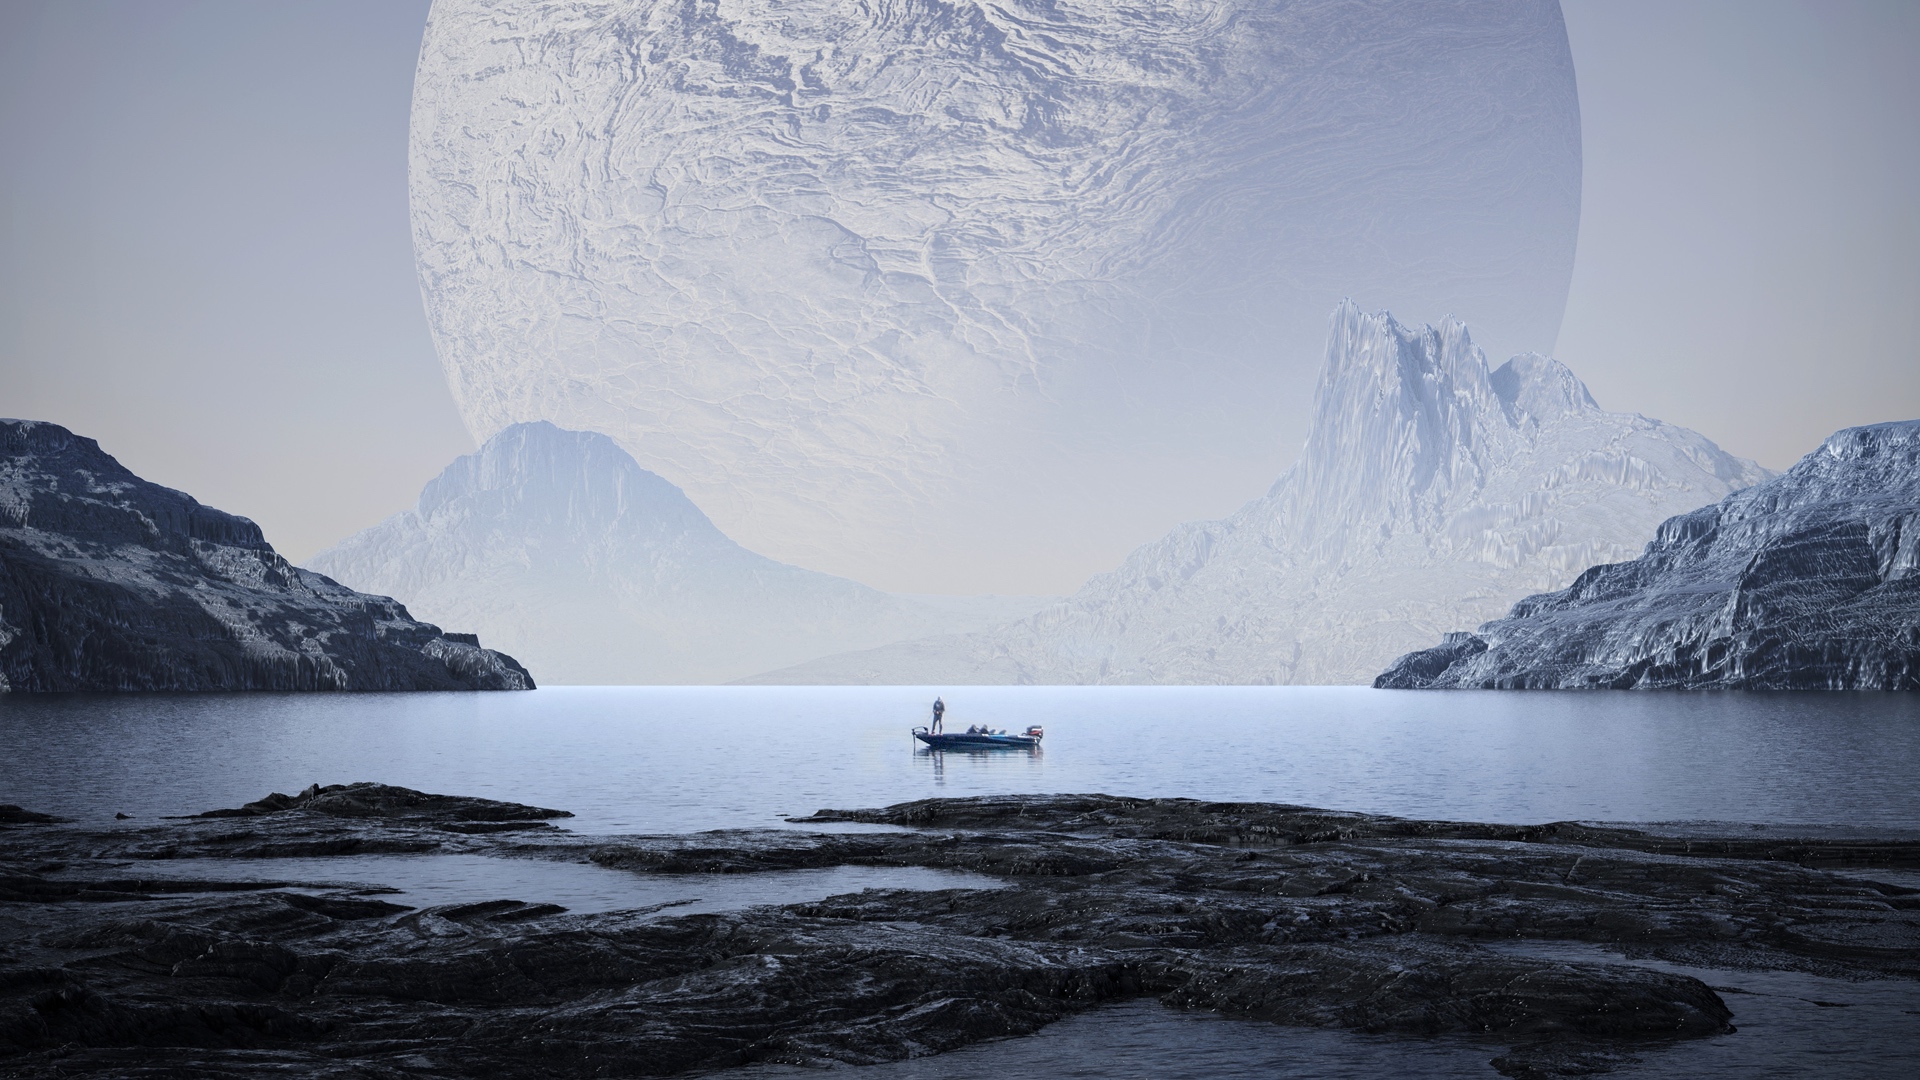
110,965
1806,581
111,583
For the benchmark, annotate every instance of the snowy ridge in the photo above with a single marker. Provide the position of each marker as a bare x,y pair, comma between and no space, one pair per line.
1810,580
1431,494
599,571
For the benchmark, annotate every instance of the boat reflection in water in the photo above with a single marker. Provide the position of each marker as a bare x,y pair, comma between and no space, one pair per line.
978,750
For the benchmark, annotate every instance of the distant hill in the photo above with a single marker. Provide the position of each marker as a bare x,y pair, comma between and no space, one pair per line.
108,582
559,546
1432,494
1810,580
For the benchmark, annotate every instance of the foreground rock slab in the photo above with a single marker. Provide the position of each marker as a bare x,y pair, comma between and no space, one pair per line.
110,965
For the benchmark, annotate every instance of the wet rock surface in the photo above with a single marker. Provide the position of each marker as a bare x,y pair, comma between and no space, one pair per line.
109,582
1291,915
391,803
16,815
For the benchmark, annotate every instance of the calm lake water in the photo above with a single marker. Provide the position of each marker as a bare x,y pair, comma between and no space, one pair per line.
1863,1031
674,759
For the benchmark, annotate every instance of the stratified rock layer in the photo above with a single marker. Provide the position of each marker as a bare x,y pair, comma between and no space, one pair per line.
1432,494
108,582
559,547
1809,581
1269,913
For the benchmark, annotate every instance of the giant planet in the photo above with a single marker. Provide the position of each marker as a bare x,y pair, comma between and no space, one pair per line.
964,297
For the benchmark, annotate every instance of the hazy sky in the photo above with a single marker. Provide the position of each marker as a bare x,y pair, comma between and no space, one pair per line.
205,260
1749,260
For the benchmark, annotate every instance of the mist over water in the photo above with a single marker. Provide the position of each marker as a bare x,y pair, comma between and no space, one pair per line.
673,759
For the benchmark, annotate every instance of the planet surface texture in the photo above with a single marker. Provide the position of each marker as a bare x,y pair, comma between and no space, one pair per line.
957,297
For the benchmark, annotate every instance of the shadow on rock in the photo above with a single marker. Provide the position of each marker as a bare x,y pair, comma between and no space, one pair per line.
1287,915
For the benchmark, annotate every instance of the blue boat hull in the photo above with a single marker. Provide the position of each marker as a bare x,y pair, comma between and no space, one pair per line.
963,741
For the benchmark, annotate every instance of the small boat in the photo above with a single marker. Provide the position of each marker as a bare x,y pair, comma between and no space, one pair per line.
980,740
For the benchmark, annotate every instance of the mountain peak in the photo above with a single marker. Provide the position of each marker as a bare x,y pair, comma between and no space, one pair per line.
110,582
1373,356
1862,466
51,478
1541,387
1398,417
550,473
598,571
1432,493
1896,440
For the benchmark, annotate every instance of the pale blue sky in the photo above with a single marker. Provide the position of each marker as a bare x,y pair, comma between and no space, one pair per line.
205,261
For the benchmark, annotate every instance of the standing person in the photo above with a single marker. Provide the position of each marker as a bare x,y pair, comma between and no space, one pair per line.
939,710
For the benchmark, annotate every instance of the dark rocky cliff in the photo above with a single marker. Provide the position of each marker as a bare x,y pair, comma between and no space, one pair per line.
1810,580
108,582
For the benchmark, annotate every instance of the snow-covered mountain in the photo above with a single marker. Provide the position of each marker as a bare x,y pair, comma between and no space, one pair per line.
1810,580
109,582
1432,493
598,571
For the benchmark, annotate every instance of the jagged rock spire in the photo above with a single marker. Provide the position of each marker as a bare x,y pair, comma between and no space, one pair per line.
1431,494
